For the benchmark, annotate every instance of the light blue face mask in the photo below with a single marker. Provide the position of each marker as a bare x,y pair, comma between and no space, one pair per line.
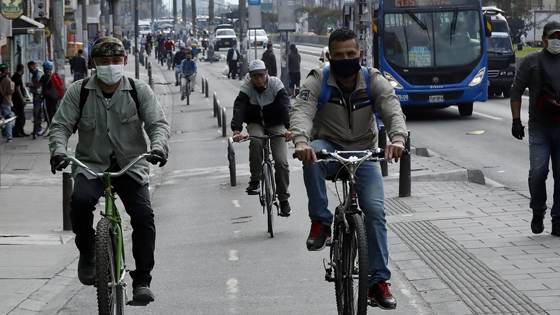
110,74
554,46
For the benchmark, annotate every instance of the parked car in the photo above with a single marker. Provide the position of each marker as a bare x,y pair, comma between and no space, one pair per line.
261,37
323,61
225,37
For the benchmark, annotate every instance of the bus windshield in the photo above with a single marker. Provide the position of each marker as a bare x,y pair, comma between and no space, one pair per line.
432,39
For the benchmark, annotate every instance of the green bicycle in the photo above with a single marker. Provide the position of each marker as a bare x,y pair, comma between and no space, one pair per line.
109,246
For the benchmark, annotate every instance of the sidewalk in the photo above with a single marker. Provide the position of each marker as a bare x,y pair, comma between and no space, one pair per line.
463,242
39,259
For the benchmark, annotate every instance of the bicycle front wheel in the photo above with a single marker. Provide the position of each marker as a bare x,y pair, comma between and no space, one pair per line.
268,191
110,293
350,257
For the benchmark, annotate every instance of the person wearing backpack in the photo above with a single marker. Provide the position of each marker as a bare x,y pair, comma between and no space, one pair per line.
50,94
345,118
6,91
539,71
113,116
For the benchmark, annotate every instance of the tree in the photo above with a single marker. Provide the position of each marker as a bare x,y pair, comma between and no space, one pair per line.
319,17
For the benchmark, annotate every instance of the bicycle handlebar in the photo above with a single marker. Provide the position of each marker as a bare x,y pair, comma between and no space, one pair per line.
369,155
247,138
112,174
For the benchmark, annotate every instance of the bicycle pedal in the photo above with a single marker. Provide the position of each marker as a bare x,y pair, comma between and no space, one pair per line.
137,303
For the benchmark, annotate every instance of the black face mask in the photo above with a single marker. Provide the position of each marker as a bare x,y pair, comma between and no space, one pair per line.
345,68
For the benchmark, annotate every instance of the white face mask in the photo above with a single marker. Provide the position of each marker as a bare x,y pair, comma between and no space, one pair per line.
554,46
110,74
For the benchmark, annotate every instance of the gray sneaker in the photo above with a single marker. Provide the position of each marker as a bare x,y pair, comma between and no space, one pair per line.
143,294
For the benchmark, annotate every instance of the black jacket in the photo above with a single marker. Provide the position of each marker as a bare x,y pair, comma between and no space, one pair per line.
230,54
268,109
294,60
270,62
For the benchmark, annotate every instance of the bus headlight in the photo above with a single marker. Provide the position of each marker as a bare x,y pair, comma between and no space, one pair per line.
478,78
394,83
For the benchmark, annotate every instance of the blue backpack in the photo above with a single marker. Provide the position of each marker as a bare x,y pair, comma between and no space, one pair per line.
326,92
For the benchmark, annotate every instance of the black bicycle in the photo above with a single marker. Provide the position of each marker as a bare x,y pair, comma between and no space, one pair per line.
267,194
348,267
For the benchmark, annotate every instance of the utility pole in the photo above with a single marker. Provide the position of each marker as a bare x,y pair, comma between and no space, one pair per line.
242,48
184,13
211,18
117,30
136,52
102,20
175,17
85,29
153,12
193,20
57,35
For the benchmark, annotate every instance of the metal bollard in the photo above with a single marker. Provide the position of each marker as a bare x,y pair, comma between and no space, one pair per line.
202,77
215,99
206,88
224,132
67,186
218,116
382,142
146,61
405,189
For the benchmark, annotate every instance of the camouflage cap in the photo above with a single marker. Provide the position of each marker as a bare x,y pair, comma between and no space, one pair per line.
107,47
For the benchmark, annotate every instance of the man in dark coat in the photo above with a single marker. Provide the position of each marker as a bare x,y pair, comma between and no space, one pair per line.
270,60
233,57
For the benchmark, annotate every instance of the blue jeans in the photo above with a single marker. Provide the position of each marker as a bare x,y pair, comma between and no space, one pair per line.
6,111
544,144
371,196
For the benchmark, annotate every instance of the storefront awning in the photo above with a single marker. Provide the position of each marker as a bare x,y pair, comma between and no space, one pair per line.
24,25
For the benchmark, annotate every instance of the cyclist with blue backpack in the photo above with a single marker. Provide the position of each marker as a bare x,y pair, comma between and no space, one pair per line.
337,109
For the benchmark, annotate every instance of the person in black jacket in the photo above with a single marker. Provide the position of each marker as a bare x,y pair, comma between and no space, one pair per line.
78,66
294,61
270,60
263,104
233,57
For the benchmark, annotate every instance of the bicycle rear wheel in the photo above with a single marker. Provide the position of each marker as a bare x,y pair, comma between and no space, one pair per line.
110,294
188,92
350,258
268,191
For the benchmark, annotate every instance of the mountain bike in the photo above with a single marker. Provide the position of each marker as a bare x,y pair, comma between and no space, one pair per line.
348,267
109,246
267,194
169,60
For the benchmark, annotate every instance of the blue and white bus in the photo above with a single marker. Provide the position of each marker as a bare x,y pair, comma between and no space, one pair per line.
433,51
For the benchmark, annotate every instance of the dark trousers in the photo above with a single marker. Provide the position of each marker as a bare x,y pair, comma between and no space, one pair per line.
136,200
51,105
232,69
20,119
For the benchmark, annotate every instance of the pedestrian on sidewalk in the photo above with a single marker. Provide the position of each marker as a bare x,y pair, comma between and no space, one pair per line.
294,61
263,104
112,130
6,91
50,95
35,89
540,72
126,43
78,66
19,101
233,57
350,125
270,60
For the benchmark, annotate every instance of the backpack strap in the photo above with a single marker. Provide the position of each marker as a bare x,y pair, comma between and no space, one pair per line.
326,92
84,93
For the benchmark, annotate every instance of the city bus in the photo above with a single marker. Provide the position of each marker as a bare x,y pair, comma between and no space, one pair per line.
433,52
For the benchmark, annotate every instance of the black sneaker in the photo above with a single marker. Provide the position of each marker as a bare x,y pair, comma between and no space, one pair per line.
86,268
142,294
253,188
380,294
555,228
537,225
319,235
285,209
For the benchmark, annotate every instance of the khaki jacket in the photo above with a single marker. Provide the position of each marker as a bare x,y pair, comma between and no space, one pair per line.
6,90
349,130
113,127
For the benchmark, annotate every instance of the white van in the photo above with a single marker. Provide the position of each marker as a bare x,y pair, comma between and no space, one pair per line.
144,28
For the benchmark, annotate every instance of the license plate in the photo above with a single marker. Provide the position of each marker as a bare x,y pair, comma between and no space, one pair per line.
259,43
436,99
226,43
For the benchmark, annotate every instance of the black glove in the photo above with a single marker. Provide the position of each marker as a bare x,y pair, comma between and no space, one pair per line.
162,158
517,129
58,163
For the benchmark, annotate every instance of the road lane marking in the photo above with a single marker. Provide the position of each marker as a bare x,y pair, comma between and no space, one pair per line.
236,203
232,285
233,255
488,116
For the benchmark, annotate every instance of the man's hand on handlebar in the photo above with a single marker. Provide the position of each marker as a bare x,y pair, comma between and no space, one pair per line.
161,158
58,163
305,153
237,136
394,151
288,135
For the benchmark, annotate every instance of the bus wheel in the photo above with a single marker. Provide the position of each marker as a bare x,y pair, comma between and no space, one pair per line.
465,109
